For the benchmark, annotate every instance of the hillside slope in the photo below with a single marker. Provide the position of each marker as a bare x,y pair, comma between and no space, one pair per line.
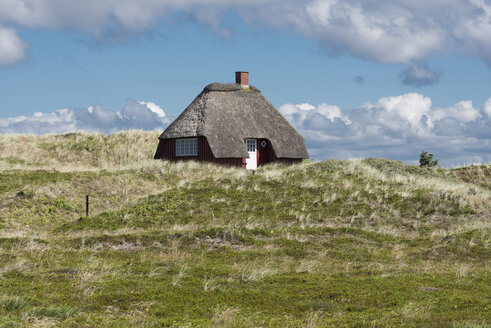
357,243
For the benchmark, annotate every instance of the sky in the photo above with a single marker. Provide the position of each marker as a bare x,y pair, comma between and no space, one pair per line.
372,78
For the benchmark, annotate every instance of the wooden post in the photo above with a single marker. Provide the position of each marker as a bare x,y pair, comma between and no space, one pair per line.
86,205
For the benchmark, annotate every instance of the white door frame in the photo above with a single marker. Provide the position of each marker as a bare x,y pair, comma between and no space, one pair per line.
251,162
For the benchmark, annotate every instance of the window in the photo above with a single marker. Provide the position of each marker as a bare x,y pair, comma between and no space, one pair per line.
187,147
251,144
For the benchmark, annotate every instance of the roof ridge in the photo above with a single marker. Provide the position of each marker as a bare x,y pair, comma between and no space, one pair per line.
226,87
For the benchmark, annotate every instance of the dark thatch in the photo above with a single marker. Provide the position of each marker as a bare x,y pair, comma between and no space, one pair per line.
227,114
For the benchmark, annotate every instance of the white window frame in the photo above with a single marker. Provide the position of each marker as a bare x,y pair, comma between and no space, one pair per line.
251,145
187,147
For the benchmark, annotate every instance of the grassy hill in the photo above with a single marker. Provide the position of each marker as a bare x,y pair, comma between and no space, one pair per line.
359,243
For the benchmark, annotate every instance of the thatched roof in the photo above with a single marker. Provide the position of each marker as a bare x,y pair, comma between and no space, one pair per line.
227,114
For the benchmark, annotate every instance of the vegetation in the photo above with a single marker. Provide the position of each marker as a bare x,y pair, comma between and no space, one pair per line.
359,243
426,160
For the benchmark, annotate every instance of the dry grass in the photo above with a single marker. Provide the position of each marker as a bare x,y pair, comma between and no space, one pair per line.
77,152
224,317
468,193
412,311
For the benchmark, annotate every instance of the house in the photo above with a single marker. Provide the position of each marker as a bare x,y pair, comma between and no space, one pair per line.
231,124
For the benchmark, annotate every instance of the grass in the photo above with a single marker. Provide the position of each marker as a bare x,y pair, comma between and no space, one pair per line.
359,243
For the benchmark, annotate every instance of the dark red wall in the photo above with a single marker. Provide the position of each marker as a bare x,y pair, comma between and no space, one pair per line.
167,150
266,155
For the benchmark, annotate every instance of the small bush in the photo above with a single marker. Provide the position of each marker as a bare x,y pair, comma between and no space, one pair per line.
426,160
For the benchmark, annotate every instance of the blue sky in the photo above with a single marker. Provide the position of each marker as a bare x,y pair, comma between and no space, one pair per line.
420,69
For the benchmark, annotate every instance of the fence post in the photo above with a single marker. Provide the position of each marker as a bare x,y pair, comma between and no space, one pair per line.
86,205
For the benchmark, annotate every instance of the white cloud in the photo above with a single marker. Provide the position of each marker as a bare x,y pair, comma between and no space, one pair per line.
387,31
369,31
12,48
396,127
487,107
462,111
154,108
475,33
135,115
410,107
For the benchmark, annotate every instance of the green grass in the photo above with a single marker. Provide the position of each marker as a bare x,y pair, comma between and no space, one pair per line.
362,243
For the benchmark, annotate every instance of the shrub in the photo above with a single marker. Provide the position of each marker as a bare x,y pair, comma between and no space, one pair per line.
426,160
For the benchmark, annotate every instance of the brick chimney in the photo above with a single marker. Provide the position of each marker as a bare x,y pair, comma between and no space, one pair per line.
242,78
